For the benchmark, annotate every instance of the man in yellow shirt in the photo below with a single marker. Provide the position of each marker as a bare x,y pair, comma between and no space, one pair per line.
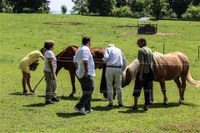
24,66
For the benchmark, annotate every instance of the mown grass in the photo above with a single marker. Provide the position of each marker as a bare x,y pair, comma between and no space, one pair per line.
20,34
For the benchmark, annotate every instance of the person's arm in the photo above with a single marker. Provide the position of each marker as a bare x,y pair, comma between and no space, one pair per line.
141,68
141,63
51,67
105,55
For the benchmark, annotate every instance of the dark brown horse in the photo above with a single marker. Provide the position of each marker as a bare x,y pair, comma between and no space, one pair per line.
65,60
171,66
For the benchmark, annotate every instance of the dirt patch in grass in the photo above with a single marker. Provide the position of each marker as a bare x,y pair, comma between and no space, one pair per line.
157,34
126,26
62,23
165,34
128,33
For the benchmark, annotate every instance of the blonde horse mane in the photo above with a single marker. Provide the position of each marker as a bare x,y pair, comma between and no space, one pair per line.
133,68
157,59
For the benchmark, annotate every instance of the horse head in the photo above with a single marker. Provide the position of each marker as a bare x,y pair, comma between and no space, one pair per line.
129,73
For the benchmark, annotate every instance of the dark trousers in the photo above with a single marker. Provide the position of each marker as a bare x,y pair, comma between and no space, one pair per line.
146,83
87,85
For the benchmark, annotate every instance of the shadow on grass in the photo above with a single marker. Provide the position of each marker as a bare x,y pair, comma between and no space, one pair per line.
189,104
103,108
68,115
35,105
21,94
161,105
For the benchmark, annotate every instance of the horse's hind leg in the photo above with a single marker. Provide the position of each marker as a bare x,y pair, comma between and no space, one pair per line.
163,87
72,76
181,89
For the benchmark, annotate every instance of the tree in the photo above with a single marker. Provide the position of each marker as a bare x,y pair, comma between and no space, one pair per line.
63,9
30,6
121,3
158,8
196,2
179,6
101,7
80,7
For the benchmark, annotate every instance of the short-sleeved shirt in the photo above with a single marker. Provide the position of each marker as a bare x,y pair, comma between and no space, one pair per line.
145,54
49,55
29,59
84,54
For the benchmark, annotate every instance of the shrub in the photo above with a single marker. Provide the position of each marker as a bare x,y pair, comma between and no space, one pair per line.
193,12
124,11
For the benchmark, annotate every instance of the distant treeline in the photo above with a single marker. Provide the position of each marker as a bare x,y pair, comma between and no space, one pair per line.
159,9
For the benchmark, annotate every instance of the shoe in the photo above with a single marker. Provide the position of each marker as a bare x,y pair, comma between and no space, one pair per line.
145,108
110,105
81,110
120,105
89,110
49,102
135,108
25,91
54,99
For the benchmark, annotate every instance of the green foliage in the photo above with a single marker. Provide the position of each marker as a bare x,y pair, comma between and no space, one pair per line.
27,6
101,7
124,11
63,9
121,3
159,8
80,7
193,12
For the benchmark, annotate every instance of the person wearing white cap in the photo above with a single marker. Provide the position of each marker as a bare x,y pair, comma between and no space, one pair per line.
115,65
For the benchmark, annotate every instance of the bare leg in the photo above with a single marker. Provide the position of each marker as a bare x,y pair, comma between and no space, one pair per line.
24,80
29,83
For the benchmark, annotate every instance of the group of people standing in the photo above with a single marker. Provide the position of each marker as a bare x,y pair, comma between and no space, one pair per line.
83,60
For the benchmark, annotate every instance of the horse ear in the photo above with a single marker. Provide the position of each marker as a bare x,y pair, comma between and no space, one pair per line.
128,76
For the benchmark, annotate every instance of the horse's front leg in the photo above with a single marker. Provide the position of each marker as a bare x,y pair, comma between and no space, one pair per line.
163,88
72,76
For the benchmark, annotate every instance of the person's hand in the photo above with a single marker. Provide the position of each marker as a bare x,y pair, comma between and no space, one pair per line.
86,75
141,78
53,76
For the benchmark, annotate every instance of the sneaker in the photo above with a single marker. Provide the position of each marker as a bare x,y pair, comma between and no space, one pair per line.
110,105
89,110
120,105
81,110
145,108
49,102
135,108
54,99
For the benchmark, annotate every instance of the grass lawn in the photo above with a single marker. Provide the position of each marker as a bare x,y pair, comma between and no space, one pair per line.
22,33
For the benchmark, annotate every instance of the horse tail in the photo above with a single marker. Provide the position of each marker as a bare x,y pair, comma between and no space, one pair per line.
192,81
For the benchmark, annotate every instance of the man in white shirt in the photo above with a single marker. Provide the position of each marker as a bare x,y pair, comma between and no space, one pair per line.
84,62
116,64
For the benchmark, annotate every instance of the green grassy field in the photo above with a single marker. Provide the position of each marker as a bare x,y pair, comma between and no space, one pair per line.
20,34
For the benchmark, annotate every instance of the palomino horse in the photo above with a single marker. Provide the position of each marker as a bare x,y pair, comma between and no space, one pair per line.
65,60
171,66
